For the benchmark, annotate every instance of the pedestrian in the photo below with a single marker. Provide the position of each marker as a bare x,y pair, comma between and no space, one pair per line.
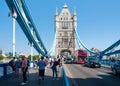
24,70
35,64
59,63
41,64
12,65
50,61
18,65
54,69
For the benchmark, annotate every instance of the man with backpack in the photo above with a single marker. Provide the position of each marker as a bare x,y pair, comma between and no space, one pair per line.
12,64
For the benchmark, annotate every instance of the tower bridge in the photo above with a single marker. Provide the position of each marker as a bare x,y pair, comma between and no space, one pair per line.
65,42
66,36
65,24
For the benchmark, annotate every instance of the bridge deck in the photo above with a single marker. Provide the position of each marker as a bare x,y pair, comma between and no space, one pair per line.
33,79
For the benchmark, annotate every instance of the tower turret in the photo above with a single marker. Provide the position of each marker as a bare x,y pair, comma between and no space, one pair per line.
56,19
75,18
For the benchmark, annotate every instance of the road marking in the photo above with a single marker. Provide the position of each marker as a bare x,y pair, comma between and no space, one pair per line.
71,77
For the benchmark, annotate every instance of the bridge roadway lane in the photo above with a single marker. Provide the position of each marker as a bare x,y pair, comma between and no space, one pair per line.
84,76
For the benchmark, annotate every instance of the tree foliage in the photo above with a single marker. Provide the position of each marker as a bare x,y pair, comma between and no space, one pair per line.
9,57
1,57
35,57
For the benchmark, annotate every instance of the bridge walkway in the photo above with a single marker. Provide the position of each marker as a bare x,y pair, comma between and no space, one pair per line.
33,79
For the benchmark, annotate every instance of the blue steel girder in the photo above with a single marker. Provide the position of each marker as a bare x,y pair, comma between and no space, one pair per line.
13,4
111,47
32,23
111,53
80,43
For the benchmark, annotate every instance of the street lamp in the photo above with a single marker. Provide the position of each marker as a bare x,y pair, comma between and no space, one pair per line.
14,16
31,51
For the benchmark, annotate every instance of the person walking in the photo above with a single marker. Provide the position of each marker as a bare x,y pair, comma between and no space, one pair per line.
18,65
54,69
12,64
41,64
24,70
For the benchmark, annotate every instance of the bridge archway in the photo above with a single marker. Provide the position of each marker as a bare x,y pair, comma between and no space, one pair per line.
65,52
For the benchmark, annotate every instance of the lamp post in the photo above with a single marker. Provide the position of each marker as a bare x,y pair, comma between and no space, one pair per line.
13,44
31,51
14,16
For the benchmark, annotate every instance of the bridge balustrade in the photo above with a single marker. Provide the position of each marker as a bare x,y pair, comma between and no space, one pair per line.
65,79
106,62
5,70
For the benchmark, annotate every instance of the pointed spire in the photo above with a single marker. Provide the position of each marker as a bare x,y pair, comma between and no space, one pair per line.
56,11
74,11
65,6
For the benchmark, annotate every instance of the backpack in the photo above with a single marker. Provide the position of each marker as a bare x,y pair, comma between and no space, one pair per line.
11,63
28,63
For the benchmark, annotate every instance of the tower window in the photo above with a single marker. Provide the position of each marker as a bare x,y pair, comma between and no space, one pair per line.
60,34
65,33
67,18
64,27
59,46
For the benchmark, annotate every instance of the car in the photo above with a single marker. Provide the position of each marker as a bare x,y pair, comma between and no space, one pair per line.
68,60
115,67
92,62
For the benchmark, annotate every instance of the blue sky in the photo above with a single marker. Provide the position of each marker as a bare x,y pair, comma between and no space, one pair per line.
98,23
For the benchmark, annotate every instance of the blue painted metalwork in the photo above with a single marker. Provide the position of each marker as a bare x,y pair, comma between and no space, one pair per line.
65,79
26,23
4,70
80,43
111,47
111,53
108,50
52,50
32,23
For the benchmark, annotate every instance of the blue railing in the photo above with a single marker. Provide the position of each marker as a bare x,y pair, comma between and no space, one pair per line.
65,79
5,70
106,62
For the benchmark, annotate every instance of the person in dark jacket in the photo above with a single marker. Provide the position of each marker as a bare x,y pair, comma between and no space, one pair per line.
54,69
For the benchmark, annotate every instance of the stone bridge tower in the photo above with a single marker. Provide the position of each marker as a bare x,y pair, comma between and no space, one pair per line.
65,24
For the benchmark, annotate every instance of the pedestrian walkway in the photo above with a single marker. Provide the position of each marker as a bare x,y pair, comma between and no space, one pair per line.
33,79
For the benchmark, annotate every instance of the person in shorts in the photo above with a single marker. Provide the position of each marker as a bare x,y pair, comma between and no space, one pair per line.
41,64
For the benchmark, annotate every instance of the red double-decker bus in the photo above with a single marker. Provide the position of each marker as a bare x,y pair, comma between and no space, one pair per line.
81,54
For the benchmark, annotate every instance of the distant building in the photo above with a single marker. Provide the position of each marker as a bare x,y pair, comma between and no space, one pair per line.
0,52
95,49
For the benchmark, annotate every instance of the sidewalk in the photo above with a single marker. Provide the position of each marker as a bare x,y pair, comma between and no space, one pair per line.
105,66
33,79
